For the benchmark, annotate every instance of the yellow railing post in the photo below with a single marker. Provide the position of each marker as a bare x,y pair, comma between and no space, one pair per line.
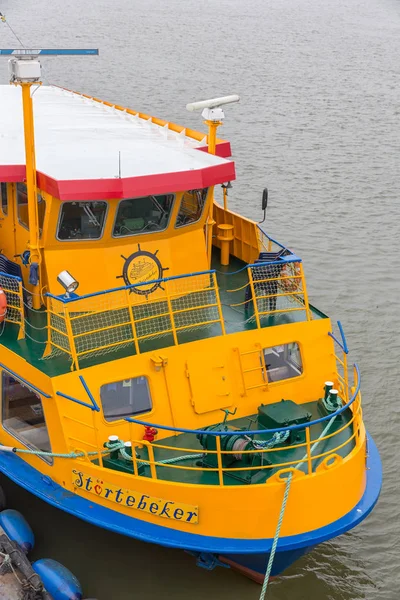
309,459
221,316
253,294
71,338
219,460
132,319
134,457
346,377
153,469
21,333
305,295
96,437
47,349
171,314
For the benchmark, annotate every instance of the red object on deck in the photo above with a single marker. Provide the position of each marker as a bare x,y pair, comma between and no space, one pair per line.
149,433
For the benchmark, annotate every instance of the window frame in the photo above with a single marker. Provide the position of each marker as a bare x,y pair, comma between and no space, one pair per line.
82,239
26,226
124,417
117,237
176,226
295,367
4,192
47,459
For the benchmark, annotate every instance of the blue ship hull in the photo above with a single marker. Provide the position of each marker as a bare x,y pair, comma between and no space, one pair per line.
248,556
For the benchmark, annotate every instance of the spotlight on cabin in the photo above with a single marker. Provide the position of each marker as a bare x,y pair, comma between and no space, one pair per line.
68,282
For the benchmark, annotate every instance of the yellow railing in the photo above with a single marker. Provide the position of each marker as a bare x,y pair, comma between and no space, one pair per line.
322,448
12,287
178,309
98,323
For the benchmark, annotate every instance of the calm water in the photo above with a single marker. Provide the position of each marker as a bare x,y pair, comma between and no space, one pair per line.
319,124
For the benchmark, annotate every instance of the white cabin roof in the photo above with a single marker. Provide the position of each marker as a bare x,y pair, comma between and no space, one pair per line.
79,139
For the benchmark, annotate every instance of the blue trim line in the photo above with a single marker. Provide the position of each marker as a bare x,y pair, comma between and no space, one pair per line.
257,431
94,403
10,276
25,381
81,402
42,486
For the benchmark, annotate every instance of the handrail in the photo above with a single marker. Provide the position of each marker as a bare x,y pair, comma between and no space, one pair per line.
10,276
258,431
128,287
272,239
343,343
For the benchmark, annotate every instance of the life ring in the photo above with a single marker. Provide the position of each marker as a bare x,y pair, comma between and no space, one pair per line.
290,273
3,305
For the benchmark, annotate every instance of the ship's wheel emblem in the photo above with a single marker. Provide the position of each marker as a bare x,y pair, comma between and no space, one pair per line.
142,266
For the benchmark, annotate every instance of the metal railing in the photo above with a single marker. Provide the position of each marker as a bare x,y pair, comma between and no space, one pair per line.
13,289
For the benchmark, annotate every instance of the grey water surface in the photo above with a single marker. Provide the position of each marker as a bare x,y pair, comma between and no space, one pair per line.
318,123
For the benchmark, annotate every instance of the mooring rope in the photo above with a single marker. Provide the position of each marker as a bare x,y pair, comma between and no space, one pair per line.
276,538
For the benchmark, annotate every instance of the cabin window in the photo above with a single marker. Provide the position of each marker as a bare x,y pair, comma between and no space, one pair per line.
23,415
191,208
4,198
148,214
283,362
22,207
82,220
125,398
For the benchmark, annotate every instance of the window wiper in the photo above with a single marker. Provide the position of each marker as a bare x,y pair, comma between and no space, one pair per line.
158,205
92,218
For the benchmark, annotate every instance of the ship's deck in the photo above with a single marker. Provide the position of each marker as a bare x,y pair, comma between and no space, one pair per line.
237,319
205,476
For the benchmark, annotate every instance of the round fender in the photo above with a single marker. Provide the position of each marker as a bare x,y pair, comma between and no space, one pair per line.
58,581
17,529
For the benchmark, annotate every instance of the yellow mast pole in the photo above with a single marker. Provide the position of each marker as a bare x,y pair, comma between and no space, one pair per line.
214,116
212,144
29,135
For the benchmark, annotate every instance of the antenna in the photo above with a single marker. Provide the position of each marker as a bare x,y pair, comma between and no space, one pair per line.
24,66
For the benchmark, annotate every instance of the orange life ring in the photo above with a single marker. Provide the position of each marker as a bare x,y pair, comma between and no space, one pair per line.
3,305
289,284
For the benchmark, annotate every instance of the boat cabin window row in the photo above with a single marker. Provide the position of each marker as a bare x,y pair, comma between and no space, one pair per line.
85,220
283,362
23,416
125,398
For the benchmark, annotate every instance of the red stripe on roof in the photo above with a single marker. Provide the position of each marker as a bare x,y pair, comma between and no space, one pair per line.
105,189
11,173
